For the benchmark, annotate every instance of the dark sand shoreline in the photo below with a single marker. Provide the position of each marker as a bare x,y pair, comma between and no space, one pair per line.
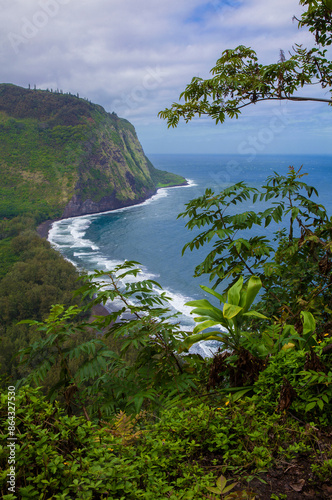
43,231
44,228
96,310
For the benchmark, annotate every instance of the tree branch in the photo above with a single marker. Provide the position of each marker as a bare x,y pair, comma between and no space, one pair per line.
294,98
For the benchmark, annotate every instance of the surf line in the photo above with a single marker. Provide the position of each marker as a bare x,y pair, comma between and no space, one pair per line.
70,233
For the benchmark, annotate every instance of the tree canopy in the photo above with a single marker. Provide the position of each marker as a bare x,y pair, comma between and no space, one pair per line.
239,80
143,419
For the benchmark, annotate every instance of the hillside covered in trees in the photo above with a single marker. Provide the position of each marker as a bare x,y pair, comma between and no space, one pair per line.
116,407
63,156
60,156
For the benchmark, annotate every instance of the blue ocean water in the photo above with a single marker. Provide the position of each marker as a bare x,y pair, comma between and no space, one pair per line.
151,233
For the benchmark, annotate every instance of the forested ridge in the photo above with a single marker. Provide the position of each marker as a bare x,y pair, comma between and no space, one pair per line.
63,156
116,406
60,155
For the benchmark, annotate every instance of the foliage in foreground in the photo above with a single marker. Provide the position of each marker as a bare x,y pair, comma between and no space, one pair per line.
33,276
177,456
168,424
238,80
128,415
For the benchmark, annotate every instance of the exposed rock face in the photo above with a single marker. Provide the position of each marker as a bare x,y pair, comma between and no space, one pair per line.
68,157
77,206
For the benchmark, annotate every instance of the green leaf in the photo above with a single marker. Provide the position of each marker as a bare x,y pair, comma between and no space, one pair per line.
204,325
209,314
213,490
309,323
221,483
310,406
320,404
254,313
253,287
239,394
213,292
231,310
229,487
194,339
233,296
235,389
295,212
202,303
138,403
204,308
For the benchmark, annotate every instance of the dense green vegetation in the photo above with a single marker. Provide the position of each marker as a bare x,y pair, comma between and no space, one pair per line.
128,415
32,278
116,407
177,456
54,146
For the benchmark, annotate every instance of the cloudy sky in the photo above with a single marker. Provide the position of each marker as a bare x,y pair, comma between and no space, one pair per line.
134,57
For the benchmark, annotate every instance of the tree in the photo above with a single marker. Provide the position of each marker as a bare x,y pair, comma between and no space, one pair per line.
239,80
91,377
295,269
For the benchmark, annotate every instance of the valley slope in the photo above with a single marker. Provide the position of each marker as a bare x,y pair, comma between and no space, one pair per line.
62,156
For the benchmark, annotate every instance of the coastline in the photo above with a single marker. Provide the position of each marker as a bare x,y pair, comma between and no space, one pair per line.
98,310
44,228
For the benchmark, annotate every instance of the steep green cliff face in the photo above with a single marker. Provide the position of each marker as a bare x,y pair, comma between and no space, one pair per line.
61,156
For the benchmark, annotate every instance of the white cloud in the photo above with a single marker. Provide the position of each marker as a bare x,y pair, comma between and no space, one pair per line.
136,56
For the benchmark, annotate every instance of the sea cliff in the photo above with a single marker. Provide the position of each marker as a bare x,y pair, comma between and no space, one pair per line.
62,156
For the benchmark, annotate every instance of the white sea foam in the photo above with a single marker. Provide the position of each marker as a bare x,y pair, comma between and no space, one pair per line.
71,233
72,236
63,232
191,183
99,261
206,349
84,254
53,234
178,302
78,230
78,227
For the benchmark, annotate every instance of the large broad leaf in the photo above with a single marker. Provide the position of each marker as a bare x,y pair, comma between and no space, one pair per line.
231,310
204,308
209,314
193,339
204,303
240,393
253,287
254,313
309,323
204,325
222,298
234,292
221,483
199,319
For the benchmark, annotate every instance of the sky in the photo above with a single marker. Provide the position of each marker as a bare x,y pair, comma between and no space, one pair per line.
135,57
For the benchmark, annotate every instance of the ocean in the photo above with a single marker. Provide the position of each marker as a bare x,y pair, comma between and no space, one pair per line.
151,233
